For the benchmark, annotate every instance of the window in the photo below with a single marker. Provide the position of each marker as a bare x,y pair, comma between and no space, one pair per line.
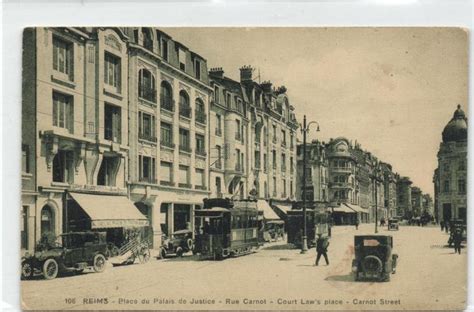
274,186
257,160
164,49
462,186
218,187
184,140
265,136
63,57
462,165
24,227
63,111
197,69
291,165
291,189
184,108
47,220
283,182
237,130
25,158
146,127
228,101
107,171
219,157
63,170
147,169
218,125
446,186
147,39
265,162
112,123
200,111
237,162
283,137
292,144
166,172
274,133
200,145
166,132
199,177
146,85
183,176
112,70
216,95
283,162
166,96
274,159
446,166
182,59
242,162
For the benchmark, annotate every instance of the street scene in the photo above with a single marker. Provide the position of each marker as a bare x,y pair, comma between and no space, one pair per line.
275,274
165,173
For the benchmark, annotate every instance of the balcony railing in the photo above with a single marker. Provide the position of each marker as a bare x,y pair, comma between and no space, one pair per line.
201,152
147,137
167,144
340,184
184,110
218,132
111,135
185,149
166,183
148,180
167,103
201,117
200,187
147,94
342,169
185,185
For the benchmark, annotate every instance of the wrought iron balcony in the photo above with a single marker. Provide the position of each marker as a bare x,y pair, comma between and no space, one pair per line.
201,117
185,149
166,183
167,103
147,94
148,137
200,187
201,152
184,110
148,180
185,185
166,143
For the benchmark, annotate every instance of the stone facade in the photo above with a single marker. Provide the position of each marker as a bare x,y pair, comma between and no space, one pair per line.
317,176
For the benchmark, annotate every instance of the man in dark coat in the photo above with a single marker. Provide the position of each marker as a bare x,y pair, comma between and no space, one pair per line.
457,238
357,223
321,249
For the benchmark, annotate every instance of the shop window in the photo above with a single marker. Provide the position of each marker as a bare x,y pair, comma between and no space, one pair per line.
63,164
63,57
166,134
147,169
112,70
146,85
112,123
108,171
182,217
164,208
47,221
63,111
25,158
166,96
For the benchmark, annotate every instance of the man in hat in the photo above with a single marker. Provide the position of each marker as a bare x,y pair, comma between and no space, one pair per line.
457,238
321,248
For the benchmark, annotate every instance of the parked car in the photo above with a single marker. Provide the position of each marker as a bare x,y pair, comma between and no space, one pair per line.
374,259
72,252
179,243
393,224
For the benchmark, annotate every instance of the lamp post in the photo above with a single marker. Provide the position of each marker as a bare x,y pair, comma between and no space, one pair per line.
304,129
375,179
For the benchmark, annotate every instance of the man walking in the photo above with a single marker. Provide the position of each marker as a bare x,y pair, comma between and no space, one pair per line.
321,249
357,223
457,238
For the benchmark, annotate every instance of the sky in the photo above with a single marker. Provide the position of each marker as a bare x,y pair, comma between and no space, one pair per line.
390,89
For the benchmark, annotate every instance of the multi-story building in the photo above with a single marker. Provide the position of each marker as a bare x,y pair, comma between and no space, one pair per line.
74,129
416,201
404,202
390,190
428,207
436,195
342,166
451,175
316,165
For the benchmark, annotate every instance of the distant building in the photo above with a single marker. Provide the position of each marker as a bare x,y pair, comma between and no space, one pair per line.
390,190
316,183
450,177
416,201
404,202
428,207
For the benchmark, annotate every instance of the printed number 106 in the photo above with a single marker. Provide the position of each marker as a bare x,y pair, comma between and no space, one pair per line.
70,300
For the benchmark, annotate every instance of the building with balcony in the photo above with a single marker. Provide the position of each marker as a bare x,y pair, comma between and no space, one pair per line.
450,178
169,97
389,190
416,201
316,166
404,202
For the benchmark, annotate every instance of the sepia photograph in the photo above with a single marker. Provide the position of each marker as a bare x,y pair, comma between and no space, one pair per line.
244,168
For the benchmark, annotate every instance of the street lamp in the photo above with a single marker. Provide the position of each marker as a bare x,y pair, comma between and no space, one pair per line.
304,129
376,178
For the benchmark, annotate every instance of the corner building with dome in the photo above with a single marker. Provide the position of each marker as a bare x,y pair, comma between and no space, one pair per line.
450,178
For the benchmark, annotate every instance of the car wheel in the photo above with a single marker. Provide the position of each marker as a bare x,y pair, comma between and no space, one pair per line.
179,252
50,269
162,253
190,244
26,270
372,264
99,263
79,271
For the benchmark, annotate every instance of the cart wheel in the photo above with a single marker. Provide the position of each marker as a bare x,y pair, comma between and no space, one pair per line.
50,269
26,270
99,263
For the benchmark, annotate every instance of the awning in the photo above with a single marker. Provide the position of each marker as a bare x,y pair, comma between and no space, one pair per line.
357,208
108,211
284,209
268,212
343,208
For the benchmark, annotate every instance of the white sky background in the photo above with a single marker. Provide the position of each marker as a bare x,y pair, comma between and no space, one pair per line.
391,89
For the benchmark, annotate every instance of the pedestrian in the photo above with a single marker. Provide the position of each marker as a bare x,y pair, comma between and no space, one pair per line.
441,223
457,237
357,223
322,248
446,226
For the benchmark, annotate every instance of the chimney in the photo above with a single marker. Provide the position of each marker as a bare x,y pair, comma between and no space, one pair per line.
217,72
266,86
246,73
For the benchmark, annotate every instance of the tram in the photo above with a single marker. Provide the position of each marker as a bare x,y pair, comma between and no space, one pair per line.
316,223
226,228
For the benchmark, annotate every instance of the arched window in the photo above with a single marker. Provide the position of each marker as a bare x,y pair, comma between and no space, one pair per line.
47,220
184,108
147,39
146,85
166,96
200,111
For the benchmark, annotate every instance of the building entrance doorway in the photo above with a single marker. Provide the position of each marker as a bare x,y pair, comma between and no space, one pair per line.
447,214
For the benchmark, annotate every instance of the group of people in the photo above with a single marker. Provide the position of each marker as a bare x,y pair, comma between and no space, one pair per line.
456,236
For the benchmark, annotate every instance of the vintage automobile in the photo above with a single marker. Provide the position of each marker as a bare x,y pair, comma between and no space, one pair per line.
179,243
374,259
72,252
393,224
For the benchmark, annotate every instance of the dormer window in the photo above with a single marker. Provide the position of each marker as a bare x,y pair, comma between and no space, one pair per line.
182,59
147,39
197,69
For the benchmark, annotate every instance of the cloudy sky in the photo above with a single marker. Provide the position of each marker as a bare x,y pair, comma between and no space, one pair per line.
391,89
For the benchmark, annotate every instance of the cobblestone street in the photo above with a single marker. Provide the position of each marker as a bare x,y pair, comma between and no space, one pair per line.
273,277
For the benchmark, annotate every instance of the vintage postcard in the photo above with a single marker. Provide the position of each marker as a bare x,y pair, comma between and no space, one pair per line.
244,168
